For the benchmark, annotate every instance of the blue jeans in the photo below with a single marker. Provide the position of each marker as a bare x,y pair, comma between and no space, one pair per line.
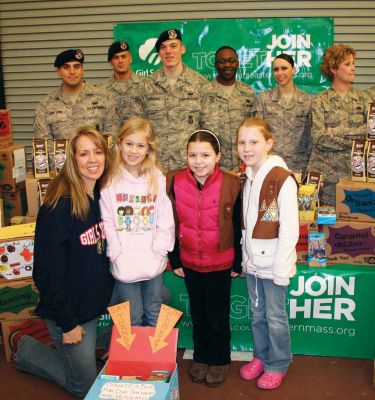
270,324
72,366
144,297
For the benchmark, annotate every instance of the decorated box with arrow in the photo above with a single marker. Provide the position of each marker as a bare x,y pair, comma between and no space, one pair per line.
142,360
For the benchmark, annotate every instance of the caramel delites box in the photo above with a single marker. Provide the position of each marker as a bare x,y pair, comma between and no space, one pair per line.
351,243
355,201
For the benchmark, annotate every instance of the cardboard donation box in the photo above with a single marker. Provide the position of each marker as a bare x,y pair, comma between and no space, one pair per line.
12,168
34,327
15,204
142,360
351,243
355,201
17,251
6,138
18,299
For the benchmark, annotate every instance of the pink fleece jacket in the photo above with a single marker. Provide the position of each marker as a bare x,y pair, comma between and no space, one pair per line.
139,227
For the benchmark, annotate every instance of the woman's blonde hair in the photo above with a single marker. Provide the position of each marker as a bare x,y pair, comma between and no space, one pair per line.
260,123
150,164
334,56
69,183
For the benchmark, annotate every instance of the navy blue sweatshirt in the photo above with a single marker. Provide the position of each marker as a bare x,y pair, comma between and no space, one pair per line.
70,271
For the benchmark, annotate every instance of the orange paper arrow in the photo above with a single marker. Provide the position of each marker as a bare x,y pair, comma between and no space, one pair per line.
120,314
168,318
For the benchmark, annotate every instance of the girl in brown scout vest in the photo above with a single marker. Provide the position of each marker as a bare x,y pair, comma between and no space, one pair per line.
270,234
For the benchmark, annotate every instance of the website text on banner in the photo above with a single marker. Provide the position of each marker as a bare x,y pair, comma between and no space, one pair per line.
257,42
331,311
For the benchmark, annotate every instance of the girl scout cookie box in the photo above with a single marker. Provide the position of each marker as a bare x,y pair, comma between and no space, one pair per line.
17,251
355,201
350,243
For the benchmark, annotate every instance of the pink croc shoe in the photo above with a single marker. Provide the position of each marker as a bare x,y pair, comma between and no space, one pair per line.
252,369
270,380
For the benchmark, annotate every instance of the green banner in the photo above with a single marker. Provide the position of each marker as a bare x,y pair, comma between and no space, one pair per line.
331,312
257,42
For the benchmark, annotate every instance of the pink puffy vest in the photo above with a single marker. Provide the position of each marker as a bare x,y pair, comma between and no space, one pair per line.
198,216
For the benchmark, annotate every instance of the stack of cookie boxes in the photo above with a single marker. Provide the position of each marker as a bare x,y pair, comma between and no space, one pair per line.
352,239
12,171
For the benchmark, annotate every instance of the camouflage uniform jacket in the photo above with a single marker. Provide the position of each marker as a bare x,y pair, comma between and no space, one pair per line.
371,93
124,94
174,112
56,116
223,113
346,119
290,123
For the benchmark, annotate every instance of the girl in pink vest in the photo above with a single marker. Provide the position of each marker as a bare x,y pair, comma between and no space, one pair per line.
138,222
204,200
271,229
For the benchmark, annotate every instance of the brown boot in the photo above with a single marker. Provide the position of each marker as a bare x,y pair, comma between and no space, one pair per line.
216,375
198,372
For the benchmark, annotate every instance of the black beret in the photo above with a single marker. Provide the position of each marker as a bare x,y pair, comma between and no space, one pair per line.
169,34
69,55
117,47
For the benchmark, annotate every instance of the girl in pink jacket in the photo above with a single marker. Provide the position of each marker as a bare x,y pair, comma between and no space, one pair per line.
138,221
204,199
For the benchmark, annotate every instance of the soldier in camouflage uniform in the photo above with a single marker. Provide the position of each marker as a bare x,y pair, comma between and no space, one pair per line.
123,85
288,111
75,104
339,115
226,103
171,100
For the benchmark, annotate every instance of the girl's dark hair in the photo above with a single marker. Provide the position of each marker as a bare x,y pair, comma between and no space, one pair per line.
205,136
287,58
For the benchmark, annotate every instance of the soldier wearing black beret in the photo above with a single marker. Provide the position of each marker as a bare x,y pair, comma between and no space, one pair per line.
122,86
171,99
74,104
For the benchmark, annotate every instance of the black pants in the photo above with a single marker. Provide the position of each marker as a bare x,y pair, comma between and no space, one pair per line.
209,295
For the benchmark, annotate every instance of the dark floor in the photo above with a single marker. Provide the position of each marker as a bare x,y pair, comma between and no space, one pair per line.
309,378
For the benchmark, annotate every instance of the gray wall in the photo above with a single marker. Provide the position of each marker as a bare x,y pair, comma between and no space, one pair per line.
33,32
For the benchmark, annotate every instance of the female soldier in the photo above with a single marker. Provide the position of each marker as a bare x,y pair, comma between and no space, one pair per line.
339,115
287,110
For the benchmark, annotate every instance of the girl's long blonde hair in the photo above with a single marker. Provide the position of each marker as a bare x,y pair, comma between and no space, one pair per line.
150,164
69,183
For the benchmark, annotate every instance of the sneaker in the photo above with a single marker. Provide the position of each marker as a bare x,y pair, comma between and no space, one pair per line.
13,341
198,372
216,375
270,380
252,369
